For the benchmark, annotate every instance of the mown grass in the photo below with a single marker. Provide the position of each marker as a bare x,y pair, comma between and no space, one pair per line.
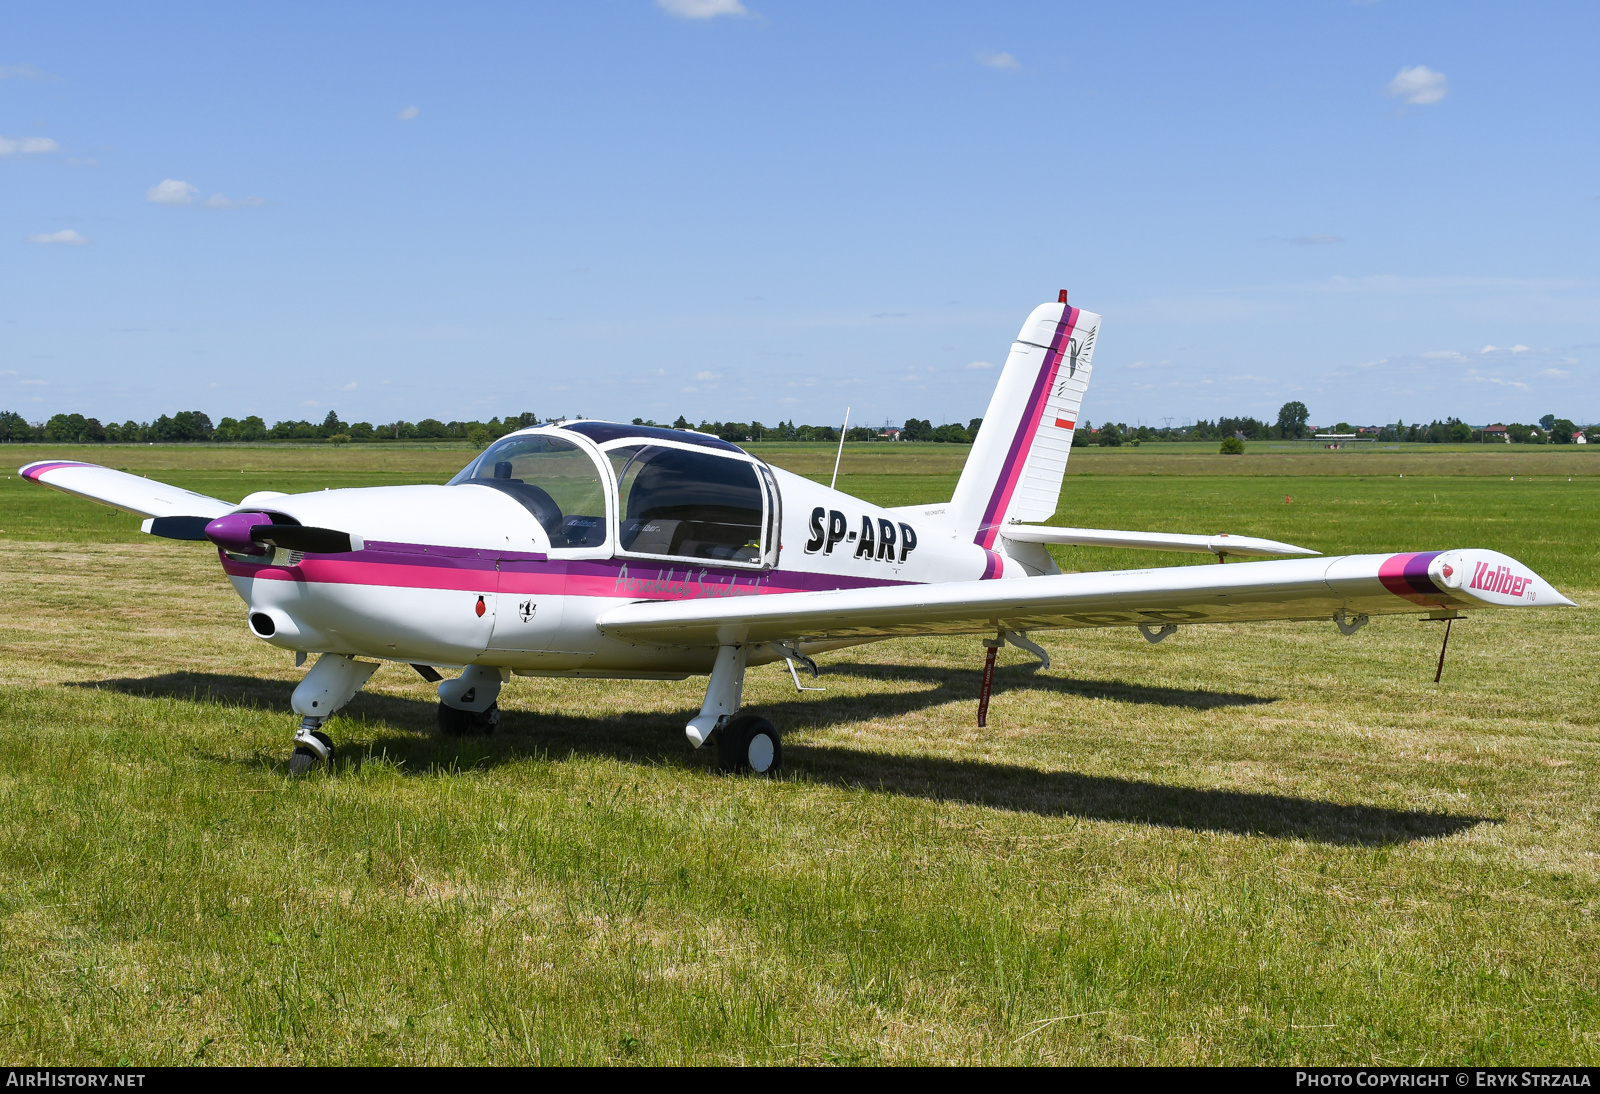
1244,844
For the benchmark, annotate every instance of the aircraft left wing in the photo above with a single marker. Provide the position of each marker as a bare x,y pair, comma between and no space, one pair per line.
1344,587
175,513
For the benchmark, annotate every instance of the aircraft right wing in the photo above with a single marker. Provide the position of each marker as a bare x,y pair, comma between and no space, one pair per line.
1292,589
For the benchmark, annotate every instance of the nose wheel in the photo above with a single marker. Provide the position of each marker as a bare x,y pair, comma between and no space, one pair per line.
311,748
749,745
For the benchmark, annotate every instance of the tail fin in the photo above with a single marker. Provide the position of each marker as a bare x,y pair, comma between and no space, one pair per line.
1014,470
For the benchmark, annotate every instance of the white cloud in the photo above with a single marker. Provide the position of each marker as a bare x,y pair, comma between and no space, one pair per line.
222,201
977,365
1490,349
27,146
1003,61
708,376
1442,355
34,383
1520,349
1555,374
351,386
66,236
408,114
23,72
171,192
1420,85
701,9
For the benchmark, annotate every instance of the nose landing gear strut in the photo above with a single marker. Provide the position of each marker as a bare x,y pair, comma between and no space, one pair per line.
332,682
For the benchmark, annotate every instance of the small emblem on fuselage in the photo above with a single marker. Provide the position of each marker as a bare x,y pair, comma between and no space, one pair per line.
526,609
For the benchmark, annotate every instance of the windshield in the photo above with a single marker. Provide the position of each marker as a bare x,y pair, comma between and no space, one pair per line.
553,478
687,504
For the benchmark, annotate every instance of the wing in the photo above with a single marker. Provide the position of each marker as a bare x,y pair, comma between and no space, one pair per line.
147,497
1299,589
1222,544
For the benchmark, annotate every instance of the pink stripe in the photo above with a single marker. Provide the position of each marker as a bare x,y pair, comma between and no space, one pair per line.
1027,430
1406,576
34,470
636,583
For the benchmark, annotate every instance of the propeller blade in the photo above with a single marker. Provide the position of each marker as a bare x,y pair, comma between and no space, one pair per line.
299,537
191,528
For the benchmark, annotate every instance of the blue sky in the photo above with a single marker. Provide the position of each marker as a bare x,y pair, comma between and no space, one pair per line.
773,209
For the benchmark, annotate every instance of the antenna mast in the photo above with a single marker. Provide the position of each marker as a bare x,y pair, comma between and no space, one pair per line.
840,456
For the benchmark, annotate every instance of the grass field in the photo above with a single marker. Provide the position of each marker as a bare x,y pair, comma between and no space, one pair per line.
1265,843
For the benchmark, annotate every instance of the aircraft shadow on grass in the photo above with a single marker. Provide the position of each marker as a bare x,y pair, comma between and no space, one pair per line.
656,738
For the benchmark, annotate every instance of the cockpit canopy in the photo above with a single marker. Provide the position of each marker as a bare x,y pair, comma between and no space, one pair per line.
674,498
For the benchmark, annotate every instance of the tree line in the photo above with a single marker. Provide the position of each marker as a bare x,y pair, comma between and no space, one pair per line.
1292,425
196,426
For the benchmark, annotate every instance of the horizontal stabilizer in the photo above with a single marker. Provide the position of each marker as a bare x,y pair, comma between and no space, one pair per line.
1223,544
131,493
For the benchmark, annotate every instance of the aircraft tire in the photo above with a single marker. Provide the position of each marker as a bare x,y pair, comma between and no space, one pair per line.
467,723
749,745
302,759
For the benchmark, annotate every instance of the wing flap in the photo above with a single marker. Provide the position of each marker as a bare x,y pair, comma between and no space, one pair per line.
1287,589
1221,544
130,493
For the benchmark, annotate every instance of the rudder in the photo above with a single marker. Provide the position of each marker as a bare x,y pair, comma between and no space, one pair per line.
1017,462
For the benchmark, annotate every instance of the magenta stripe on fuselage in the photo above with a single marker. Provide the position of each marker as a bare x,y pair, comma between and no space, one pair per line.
417,566
1027,429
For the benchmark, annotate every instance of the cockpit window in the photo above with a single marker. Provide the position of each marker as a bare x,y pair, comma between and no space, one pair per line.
554,479
687,504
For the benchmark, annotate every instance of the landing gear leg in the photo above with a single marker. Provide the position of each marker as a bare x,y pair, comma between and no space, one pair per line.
467,704
332,682
724,691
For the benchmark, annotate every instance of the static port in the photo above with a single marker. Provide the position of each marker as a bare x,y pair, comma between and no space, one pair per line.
261,623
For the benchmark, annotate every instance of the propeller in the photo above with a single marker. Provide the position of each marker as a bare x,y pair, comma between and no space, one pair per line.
247,533
190,528
300,537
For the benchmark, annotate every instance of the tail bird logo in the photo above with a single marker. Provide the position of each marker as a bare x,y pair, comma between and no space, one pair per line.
1074,349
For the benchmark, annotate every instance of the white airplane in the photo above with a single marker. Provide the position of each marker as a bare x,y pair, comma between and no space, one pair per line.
596,550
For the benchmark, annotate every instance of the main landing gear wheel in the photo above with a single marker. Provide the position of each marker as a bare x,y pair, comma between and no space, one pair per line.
749,745
468,723
303,759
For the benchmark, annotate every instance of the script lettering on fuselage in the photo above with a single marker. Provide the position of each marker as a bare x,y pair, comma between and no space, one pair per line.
881,540
692,584
1498,580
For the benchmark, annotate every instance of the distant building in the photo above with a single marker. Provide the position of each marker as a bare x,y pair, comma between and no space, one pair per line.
1496,433
1580,438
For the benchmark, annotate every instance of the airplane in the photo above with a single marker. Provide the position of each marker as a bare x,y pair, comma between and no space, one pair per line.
595,550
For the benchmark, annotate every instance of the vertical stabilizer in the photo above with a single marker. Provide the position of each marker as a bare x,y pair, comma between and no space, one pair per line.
1015,468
